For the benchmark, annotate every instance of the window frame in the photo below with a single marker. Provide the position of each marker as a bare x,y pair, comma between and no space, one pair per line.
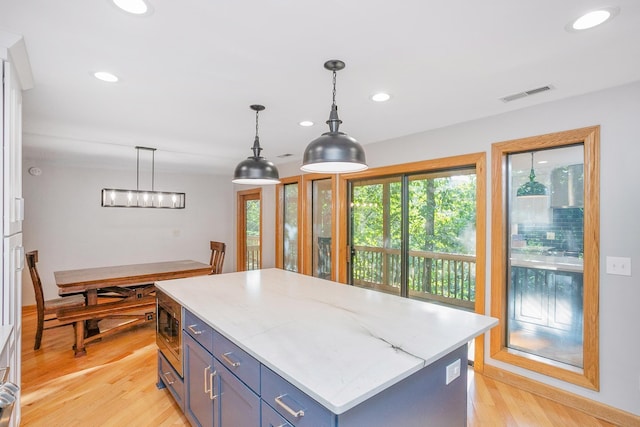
242,198
587,377
473,160
307,212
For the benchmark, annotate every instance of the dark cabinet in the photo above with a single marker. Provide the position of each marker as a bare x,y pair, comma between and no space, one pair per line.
239,406
548,298
200,384
214,395
546,313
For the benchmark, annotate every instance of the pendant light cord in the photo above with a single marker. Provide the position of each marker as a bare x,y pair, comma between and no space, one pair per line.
334,88
532,175
256,142
257,112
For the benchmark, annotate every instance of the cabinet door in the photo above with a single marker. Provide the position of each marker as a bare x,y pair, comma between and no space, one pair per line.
199,378
239,406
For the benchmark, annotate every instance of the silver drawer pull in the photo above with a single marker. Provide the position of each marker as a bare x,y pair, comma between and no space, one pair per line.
229,360
193,330
297,414
169,380
206,379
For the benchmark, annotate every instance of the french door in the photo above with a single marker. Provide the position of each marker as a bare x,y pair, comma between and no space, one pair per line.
249,232
413,235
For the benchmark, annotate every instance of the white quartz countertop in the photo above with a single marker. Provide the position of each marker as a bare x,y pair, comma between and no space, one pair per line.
339,344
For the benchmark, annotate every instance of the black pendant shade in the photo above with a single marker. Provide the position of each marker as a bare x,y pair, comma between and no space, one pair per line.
334,151
256,169
532,188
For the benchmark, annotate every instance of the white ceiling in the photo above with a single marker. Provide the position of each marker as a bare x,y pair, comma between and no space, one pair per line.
190,70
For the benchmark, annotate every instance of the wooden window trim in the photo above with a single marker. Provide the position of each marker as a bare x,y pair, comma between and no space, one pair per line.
476,160
280,220
242,197
588,377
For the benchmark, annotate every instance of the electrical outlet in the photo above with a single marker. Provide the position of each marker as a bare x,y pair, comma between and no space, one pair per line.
619,265
453,371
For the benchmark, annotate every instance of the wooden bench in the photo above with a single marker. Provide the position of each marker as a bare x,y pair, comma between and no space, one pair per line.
138,310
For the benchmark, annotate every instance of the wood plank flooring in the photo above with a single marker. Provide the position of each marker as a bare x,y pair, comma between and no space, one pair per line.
114,385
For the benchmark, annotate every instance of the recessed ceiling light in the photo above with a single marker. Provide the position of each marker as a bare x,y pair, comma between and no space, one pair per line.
106,77
137,7
381,97
306,123
593,19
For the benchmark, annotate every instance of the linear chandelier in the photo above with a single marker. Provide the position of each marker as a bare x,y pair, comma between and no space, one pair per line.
119,198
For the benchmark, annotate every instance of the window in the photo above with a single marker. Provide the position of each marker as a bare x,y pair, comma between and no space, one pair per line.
321,219
418,230
289,225
545,254
414,235
249,233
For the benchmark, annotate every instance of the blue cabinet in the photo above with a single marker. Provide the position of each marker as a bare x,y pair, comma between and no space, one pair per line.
223,391
224,386
239,406
200,384
169,378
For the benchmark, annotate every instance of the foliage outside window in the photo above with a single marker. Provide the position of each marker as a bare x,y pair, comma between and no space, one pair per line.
249,227
439,248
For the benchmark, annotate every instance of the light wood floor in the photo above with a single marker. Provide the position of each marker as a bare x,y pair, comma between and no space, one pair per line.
114,385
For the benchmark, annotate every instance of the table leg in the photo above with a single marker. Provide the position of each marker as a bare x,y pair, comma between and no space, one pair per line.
92,325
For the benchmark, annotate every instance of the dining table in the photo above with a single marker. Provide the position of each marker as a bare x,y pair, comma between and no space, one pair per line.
127,290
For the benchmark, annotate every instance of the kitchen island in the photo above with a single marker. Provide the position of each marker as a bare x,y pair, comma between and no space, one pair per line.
327,353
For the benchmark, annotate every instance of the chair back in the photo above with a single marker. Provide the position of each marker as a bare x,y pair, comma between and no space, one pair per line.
32,259
217,256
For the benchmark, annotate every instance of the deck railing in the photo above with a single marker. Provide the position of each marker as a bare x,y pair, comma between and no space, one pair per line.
252,255
448,278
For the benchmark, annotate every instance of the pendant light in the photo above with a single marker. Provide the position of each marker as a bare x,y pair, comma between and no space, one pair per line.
532,188
119,198
256,170
334,151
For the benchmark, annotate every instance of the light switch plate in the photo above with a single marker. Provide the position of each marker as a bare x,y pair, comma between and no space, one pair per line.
453,371
619,265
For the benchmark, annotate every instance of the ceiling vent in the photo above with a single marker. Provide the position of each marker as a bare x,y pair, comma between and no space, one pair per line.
529,92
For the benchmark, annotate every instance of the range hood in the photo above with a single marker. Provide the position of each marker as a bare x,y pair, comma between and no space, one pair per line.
567,187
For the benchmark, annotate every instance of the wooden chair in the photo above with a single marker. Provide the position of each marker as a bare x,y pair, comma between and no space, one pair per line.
217,256
46,310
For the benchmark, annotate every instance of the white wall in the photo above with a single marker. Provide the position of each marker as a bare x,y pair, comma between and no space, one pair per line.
617,111
66,224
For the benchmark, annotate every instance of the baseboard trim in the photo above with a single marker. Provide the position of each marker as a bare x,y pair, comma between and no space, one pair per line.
588,406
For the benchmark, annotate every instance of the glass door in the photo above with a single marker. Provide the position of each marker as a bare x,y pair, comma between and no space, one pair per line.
322,228
249,230
376,234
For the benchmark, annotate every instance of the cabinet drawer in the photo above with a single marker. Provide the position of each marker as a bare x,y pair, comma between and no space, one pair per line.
237,361
295,406
168,377
198,330
270,418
